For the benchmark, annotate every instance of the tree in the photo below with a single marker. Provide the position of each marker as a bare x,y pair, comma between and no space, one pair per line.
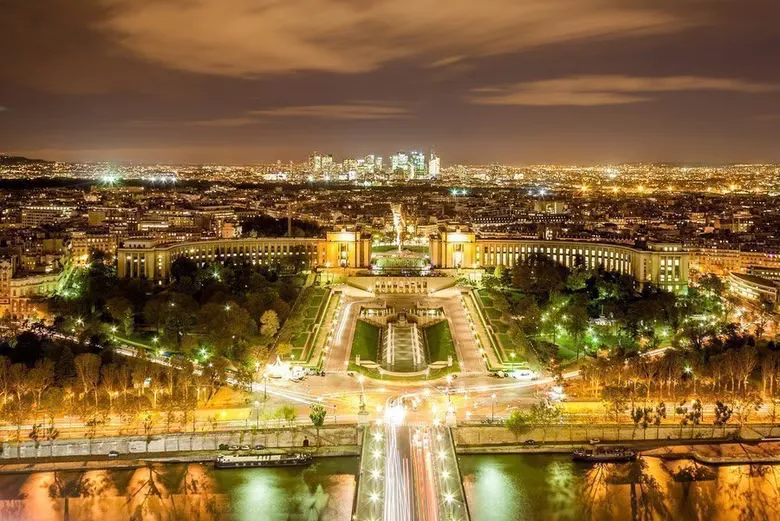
722,415
501,274
712,285
225,326
110,378
88,371
179,316
615,402
121,310
270,323
17,379
745,406
40,378
287,413
284,349
155,313
317,417
16,412
546,414
577,319
517,423
65,368
5,384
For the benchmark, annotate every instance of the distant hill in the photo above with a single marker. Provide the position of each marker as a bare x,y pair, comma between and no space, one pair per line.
19,160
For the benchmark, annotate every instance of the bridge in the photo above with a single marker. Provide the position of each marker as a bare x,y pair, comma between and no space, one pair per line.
409,473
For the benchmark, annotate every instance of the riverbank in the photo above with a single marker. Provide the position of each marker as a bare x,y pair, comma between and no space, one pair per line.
763,453
128,462
709,453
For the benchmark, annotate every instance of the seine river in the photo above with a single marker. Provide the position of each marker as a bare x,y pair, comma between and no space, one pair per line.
499,488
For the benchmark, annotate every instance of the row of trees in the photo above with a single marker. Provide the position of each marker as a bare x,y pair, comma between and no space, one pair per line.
135,391
739,368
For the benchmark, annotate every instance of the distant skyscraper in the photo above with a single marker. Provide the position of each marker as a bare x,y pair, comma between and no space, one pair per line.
327,163
433,166
417,161
399,161
315,163
378,164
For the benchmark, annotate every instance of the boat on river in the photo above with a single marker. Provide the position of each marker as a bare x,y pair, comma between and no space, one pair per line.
261,460
605,454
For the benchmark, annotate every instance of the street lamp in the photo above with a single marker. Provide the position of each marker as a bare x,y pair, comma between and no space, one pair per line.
362,379
265,387
492,407
257,414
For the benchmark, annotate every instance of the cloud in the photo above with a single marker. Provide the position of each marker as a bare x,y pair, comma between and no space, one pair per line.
247,38
356,111
213,123
352,111
590,91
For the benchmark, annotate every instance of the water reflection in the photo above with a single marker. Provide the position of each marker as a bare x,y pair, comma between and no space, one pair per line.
194,492
555,488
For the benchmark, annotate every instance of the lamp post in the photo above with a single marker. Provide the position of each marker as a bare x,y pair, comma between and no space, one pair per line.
362,379
492,407
257,414
265,386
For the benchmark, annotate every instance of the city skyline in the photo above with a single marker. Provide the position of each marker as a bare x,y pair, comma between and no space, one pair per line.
513,83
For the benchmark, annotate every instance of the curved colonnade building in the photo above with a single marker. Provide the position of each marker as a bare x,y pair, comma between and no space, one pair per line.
663,264
147,260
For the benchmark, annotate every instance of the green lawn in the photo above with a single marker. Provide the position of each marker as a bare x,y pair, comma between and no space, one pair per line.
566,354
440,344
493,313
366,341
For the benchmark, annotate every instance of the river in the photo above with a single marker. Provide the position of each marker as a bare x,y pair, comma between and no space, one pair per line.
499,488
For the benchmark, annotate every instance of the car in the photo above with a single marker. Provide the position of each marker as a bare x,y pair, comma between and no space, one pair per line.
224,446
113,454
259,447
594,441
234,447
245,447
523,374
529,442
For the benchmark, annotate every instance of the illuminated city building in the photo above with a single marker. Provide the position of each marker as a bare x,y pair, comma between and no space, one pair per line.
753,288
434,166
339,249
35,216
82,244
663,264
723,260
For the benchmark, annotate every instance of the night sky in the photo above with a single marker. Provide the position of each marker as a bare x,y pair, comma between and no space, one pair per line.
512,81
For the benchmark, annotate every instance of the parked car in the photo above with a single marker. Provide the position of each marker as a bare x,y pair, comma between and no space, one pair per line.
245,447
259,447
594,441
113,454
529,442
224,446
234,447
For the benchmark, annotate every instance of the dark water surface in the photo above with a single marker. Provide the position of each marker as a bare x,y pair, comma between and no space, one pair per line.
499,488
554,488
321,491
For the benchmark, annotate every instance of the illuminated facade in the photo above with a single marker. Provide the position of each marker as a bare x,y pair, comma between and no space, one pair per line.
753,287
147,260
722,261
665,265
